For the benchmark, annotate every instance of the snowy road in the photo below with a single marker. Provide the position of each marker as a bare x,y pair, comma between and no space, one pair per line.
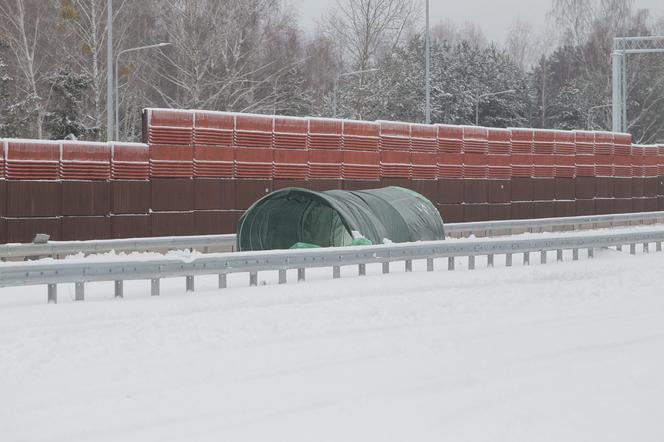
562,352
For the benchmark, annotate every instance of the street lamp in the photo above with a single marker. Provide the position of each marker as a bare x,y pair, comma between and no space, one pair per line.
479,99
117,90
428,69
336,85
590,113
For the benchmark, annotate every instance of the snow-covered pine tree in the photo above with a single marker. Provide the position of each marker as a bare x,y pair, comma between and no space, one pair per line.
65,119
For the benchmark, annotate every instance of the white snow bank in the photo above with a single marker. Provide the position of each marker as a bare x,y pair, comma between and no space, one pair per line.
569,351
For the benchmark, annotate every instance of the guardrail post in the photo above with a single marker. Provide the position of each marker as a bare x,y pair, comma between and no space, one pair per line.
450,263
154,287
119,289
575,255
362,269
336,272
543,257
632,249
489,260
190,283
471,262
301,275
79,291
559,255
52,293
646,247
591,252
409,265
508,260
253,279
222,281
282,277
386,268
526,258
430,265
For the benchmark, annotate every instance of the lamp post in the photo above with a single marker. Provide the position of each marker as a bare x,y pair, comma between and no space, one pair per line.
117,90
428,69
336,85
590,113
109,70
479,99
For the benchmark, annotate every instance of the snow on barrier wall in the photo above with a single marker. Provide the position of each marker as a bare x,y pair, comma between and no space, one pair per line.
199,170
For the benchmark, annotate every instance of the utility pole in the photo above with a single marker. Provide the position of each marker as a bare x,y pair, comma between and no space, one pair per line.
428,68
622,47
109,71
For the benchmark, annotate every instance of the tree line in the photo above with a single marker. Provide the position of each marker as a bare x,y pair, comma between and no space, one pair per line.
364,59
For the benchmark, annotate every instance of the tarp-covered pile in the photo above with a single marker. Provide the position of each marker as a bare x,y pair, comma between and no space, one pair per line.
335,218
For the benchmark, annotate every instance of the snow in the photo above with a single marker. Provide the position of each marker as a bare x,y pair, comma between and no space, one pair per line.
565,351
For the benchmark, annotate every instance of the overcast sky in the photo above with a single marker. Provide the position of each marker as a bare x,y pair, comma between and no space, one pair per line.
493,16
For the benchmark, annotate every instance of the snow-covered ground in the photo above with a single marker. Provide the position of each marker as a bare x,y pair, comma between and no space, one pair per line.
562,352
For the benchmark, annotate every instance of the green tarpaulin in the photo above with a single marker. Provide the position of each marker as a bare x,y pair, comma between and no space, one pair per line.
338,218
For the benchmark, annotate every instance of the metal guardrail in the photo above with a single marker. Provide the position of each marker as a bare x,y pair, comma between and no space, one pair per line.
55,272
213,243
552,224
64,248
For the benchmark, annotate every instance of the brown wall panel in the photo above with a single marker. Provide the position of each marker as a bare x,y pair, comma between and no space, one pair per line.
82,228
320,185
622,187
650,204
651,187
130,197
3,198
660,203
173,223
172,194
585,187
86,198
452,213
638,187
450,191
565,189
565,208
214,194
23,230
216,222
360,184
34,198
585,207
660,186
475,212
522,189
475,191
283,184
130,226
544,209
247,192
523,210
605,206
426,188
623,205
499,191
544,189
500,212
3,231
604,187
398,182
638,205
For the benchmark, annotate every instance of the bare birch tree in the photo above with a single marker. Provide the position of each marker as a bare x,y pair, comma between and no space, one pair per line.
362,28
24,26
